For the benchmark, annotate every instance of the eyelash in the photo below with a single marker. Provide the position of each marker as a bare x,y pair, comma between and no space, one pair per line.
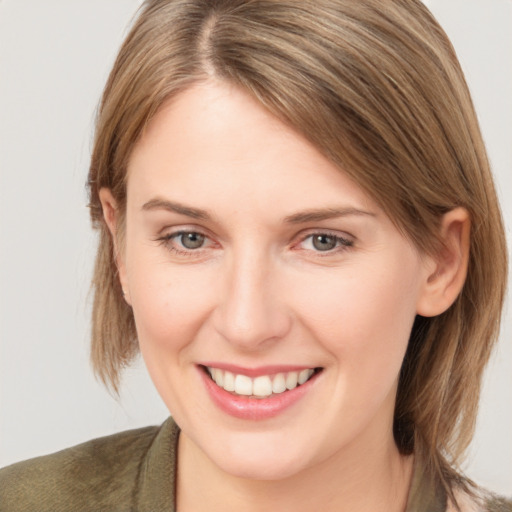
167,239
342,244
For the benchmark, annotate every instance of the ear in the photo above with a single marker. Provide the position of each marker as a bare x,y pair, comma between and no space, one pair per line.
111,216
449,267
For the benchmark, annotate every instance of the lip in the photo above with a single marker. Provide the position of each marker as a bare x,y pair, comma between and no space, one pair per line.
256,372
256,409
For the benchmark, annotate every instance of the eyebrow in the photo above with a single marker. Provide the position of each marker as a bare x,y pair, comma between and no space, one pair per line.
324,214
172,206
313,215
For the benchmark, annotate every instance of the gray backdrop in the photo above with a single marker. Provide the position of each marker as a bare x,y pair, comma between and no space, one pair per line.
54,59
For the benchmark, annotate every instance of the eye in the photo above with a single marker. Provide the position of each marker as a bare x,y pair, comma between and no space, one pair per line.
326,243
184,242
191,240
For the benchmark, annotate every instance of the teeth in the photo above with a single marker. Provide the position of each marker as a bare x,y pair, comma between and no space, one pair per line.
217,376
292,379
229,381
304,375
243,385
279,383
262,386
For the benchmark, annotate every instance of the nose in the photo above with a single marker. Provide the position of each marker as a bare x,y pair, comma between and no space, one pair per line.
251,311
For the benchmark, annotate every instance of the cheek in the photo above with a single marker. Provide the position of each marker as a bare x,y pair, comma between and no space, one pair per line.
169,303
170,306
363,316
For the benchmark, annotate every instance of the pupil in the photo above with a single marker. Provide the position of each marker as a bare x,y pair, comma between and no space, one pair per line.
192,240
324,242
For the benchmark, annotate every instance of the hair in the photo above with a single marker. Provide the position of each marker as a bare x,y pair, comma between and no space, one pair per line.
376,87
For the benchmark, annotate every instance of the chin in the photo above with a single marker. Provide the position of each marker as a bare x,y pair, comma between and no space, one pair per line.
259,469
257,462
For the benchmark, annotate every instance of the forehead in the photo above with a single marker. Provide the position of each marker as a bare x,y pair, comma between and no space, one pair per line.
214,143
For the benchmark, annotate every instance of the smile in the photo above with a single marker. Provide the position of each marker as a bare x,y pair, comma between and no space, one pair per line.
257,394
263,386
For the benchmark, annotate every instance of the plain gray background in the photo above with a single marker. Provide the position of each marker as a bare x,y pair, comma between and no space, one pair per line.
54,59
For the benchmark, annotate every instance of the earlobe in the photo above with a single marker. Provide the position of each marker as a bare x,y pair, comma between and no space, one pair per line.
447,274
110,214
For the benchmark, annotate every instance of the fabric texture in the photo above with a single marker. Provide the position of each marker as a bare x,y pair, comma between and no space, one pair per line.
135,471
130,471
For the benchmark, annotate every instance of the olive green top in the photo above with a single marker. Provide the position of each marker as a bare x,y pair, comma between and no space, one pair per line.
130,471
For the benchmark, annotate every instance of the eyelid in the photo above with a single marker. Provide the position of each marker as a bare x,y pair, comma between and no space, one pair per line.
346,240
327,231
166,238
172,229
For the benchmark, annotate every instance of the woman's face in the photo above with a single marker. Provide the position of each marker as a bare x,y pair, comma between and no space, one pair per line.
248,255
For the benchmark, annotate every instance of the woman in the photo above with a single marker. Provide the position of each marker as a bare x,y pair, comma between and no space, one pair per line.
298,228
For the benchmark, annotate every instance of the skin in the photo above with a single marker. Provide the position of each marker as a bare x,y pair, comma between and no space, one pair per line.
260,292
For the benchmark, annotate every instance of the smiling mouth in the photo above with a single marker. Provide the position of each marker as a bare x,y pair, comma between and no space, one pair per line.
264,386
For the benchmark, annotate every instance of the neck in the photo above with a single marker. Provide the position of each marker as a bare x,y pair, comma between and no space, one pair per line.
361,479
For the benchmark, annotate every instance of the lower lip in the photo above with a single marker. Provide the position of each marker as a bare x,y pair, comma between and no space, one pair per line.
247,408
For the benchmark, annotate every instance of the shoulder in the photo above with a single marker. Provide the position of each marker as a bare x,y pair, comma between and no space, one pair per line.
487,502
96,475
497,504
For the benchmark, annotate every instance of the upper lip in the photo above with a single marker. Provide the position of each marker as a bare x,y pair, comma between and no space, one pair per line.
257,371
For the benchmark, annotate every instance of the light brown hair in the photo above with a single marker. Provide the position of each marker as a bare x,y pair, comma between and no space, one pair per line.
376,86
